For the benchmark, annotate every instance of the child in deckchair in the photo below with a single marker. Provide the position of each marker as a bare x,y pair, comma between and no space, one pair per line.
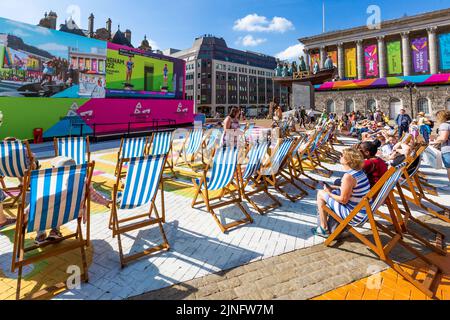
96,197
342,200
374,167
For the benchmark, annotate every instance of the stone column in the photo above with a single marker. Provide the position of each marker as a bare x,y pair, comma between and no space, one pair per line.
360,59
323,57
341,60
406,52
432,38
382,57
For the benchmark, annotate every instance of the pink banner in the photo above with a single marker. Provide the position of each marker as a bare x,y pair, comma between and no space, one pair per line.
371,61
120,115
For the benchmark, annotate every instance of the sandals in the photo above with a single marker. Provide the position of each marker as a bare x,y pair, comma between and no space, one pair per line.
54,235
320,232
7,223
40,239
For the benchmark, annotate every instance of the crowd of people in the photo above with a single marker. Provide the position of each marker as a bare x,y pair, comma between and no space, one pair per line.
380,147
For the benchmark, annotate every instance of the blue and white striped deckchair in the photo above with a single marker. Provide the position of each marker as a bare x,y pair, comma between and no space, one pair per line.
143,180
382,193
191,147
130,148
224,179
248,178
313,154
277,173
212,141
57,196
76,148
15,161
161,143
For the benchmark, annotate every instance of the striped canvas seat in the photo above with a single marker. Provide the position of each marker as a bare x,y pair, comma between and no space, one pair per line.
162,142
13,159
74,148
56,197
142,181
133,148
213,139
195,141
279,157
255,159
224,168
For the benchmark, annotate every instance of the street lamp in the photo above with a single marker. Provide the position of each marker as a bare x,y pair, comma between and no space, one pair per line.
412,87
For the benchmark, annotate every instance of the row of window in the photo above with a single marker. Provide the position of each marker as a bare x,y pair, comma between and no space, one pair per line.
231,68
423,105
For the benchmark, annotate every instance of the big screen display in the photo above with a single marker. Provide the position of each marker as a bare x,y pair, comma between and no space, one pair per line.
40,62
135,73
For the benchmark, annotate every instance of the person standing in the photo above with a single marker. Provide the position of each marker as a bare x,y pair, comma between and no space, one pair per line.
403,121
443,119
378,116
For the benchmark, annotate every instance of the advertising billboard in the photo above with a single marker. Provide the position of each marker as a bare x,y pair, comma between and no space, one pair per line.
314,57
419,48
334,57
40,62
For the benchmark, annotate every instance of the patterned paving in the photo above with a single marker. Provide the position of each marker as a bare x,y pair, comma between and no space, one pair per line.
198,248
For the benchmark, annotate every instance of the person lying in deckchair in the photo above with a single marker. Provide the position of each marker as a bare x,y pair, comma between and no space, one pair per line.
355,186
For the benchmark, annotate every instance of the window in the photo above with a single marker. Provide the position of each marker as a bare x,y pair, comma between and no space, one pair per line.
330,106
349,106
423,105
371,105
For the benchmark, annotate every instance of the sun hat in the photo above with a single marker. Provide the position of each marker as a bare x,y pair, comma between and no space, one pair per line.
59,162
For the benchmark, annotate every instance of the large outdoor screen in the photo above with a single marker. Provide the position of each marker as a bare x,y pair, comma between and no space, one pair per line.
40,62
135,73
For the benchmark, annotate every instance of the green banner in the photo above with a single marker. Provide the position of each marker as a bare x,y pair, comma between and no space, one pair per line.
394,58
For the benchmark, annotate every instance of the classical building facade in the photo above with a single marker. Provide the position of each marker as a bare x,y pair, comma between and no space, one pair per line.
405,50
219,78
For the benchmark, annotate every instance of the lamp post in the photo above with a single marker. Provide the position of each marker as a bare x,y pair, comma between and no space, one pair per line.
412,87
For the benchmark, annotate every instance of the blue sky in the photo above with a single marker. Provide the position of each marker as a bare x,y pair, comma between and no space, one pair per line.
268,26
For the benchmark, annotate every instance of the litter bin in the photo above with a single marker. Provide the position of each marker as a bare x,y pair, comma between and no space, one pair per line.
38,135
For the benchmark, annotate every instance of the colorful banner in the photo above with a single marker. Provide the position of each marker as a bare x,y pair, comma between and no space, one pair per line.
350,63
334,57
419,49
444,51
390,82
371,61
313,58
394,57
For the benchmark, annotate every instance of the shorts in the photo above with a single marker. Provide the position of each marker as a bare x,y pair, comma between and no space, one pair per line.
446,160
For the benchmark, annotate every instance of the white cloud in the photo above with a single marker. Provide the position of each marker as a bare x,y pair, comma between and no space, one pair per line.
291,53
20,33
30,28
249,41
153,44
52,47
256,23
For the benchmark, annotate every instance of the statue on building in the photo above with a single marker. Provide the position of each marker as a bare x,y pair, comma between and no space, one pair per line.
302,64
294,67
329,63
279,70
316,67
285,70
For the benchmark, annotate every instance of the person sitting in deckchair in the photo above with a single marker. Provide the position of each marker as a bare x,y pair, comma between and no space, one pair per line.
55,234
374,167
355,186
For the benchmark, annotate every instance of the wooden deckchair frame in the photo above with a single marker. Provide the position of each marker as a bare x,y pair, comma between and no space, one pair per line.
88,148
19,188
118,229
122,141
413,184
190,163
314,157
19,250
396,236
234,194
298,167
169,162
275,179
260,186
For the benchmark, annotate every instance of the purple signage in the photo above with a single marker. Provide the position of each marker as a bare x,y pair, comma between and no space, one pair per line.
419,48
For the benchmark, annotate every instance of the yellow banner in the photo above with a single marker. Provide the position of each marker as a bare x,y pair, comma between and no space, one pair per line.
350,63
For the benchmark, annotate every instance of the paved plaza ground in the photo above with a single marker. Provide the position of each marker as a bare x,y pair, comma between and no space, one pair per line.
276,257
